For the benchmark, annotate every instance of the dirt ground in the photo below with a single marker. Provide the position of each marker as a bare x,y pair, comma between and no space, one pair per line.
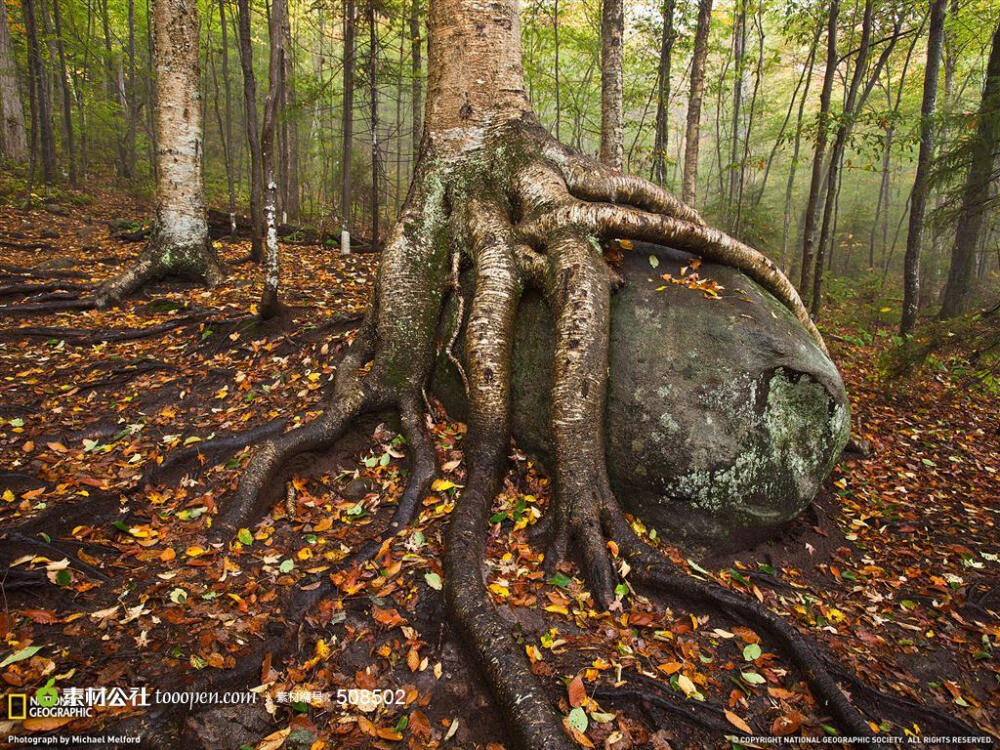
894,571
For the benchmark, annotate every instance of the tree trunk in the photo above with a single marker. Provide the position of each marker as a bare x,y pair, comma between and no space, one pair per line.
227,130
667,37
270,305
373,108
13,136
691,135
179,244
289,122
40,86
735,166
253,134
129,91
918,198
67,96
612,102
555,69
416,83
786,216
819,154
976,194
854,102
347,129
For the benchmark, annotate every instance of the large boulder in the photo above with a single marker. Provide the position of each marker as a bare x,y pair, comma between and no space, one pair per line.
723,416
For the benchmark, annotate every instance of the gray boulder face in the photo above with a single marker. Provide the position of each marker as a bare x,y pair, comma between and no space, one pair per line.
723,416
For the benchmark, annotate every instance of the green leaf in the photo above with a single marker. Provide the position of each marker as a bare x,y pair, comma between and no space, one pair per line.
697,568
751,651
560,580
64,577
752,678
578,719
654,261
497,517
621,589
24,653
433,580
245,537
287,565
121,526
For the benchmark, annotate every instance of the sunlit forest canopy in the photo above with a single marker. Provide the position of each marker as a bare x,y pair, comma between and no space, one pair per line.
754,159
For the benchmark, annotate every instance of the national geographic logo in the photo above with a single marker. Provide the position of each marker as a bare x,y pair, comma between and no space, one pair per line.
17,706
45,703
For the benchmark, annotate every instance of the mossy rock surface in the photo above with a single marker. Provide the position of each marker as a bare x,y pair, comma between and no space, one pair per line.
723,416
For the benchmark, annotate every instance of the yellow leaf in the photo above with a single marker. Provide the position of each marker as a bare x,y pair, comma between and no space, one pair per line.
194,551
501,591
686,685
8,496
440,485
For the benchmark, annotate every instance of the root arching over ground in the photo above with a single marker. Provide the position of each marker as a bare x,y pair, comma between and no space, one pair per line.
521,212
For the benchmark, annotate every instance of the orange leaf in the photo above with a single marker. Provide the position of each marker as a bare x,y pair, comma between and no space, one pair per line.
737,722
577,692
670,667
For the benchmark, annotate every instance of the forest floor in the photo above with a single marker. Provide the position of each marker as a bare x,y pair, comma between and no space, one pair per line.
895,571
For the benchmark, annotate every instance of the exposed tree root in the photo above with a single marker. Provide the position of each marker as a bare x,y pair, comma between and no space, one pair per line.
703,715
931,719
16,538
34,308
158,260
216,448
41,273
653,569
14,290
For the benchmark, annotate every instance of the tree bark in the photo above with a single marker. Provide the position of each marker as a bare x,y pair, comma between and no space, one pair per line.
179,244
612,94
269,302
13,136
253,134
735,166
667,37
373,45
819,154
854,102
67,96
227,129
918,198
976,194
347,129
289,123
416,82
690,176
40,86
